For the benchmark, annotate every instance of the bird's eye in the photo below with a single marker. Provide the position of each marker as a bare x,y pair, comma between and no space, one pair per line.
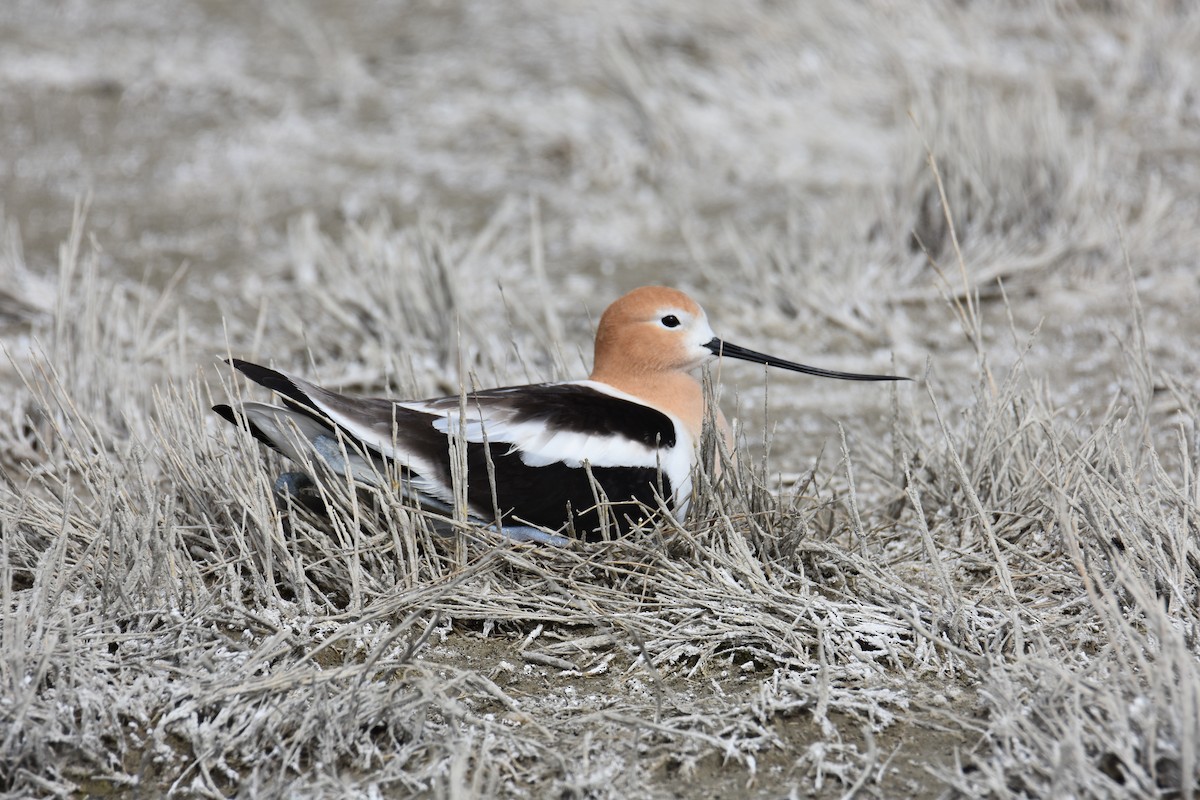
670,321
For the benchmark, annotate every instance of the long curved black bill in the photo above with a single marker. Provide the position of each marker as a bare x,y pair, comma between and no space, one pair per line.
728,350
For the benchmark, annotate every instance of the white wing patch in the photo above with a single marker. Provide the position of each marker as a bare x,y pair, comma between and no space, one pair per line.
540,445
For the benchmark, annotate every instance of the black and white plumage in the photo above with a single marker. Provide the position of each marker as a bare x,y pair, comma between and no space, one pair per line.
532,452
539,459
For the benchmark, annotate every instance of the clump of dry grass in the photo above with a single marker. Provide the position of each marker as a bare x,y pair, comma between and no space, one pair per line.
1025,580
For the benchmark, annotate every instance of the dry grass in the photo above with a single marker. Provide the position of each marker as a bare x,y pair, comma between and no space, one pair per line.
986,584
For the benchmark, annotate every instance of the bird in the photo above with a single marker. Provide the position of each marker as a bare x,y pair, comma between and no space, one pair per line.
544,462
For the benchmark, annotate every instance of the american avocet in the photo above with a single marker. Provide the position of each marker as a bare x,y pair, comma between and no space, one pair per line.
538,458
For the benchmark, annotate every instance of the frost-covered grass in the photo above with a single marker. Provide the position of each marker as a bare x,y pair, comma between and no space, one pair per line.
986,583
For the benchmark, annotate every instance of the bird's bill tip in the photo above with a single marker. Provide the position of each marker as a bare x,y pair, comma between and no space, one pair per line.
721,348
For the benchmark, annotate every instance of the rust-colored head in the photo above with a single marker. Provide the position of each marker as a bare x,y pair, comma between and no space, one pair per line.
650,339
651,330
